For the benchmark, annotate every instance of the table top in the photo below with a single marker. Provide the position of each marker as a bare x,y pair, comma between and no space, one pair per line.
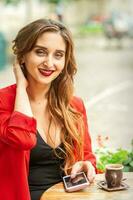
92,192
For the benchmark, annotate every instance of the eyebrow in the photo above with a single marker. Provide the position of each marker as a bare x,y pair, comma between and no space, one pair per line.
42,47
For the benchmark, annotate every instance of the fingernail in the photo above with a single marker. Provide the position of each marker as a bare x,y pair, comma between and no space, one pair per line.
73,175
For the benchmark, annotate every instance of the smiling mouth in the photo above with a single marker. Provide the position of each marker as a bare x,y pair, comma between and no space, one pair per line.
45,72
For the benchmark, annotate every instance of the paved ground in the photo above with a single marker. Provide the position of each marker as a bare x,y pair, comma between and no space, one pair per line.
105,82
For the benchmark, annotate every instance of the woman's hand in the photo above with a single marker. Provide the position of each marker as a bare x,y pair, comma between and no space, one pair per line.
22,103
85,166
20,78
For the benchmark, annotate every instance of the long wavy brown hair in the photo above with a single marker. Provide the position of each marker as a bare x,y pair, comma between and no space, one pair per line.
61,91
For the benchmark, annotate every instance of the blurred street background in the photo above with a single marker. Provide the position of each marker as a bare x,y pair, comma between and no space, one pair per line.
103,37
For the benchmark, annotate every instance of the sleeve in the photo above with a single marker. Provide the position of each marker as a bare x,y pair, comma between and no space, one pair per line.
88,154
16,129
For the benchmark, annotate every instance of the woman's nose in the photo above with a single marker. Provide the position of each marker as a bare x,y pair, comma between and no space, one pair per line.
49,61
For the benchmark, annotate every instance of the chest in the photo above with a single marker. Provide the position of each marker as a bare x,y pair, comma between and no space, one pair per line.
48,129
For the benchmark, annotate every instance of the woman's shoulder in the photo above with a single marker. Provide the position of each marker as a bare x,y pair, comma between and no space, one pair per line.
7,95
8,91
77,103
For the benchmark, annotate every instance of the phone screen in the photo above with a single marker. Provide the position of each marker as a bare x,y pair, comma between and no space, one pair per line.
79,179
77,183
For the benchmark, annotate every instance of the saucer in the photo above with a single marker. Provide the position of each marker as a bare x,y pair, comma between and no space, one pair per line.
103,185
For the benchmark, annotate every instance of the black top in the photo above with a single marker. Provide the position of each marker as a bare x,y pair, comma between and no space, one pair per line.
45,168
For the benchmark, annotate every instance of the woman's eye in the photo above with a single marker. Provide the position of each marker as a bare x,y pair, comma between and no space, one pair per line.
41,52
58,55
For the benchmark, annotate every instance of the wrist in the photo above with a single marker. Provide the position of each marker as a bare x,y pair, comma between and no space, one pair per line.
20,88
22,83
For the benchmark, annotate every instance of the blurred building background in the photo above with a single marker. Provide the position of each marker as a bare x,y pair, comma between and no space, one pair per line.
103,36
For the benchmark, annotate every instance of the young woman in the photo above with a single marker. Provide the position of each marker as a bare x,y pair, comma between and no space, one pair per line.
43,127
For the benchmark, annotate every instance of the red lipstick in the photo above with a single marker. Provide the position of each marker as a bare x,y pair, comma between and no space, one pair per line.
45,72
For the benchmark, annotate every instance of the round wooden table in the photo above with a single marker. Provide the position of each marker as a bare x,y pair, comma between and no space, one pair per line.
92,192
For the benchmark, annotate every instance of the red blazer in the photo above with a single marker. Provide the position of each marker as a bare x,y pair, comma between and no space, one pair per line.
17,138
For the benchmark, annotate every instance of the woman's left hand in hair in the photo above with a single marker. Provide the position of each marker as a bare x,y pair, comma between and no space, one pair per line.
84,166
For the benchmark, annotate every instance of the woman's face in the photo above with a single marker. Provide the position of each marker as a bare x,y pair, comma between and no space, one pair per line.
47,59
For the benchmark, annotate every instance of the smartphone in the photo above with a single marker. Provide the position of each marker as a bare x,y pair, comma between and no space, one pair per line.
77,183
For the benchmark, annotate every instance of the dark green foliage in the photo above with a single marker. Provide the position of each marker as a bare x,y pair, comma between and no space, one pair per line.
122,156
128,163
107,157
55,1
11,1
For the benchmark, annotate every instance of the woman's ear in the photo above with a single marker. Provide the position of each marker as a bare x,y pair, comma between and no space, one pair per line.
22,61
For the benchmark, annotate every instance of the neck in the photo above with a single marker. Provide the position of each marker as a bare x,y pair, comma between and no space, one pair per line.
37,93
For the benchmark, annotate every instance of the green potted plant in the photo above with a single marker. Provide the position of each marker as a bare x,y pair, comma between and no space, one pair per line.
128,163
106,156
109,157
